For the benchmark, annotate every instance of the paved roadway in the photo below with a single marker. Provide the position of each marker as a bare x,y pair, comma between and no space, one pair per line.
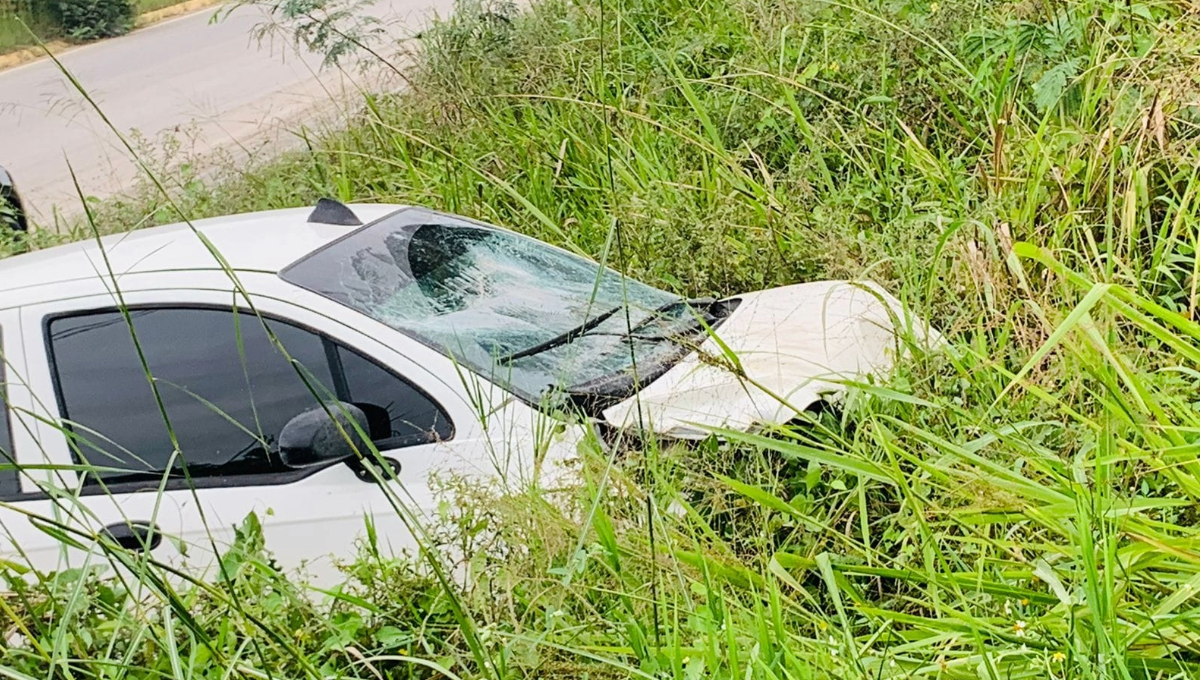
209,85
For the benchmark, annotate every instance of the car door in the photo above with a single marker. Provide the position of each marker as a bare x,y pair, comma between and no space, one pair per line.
227,383
44,522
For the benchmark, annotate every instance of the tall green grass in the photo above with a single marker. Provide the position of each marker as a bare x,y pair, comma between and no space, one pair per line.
1020,505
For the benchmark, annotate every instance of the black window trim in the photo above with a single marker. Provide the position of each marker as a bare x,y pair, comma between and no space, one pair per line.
7,423
209,482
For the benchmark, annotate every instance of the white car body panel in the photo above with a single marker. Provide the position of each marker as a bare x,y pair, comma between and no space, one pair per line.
266,242
792,343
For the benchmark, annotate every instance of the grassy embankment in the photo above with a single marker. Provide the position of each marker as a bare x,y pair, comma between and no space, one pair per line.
1022,506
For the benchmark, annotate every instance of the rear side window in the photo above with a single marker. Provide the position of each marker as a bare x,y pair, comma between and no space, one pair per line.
226,389
10,483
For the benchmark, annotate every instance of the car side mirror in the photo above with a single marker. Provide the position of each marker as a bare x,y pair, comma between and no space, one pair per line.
12,212
319,436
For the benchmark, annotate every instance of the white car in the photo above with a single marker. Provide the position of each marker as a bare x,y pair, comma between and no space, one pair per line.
456,345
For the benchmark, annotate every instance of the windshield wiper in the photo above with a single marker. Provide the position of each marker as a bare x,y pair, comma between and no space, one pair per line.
663,309
562,338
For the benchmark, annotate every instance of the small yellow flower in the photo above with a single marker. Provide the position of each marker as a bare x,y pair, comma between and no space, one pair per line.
934,7
1059,657
1025,601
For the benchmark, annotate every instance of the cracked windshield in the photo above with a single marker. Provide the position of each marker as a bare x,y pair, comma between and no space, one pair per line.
525,314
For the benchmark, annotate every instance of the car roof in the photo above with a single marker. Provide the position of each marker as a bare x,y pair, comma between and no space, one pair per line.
263,241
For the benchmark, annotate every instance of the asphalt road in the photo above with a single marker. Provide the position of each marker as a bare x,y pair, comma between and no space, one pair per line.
208,86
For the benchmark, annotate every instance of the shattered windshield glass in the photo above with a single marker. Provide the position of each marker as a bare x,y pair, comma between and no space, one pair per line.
518,311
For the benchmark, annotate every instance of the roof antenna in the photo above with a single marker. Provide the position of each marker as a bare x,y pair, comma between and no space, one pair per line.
329,211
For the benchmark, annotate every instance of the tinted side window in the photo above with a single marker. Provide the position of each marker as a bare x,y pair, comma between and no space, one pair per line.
10,484
226,389
413,417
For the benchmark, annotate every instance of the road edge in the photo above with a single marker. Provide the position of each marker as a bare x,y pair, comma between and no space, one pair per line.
30,54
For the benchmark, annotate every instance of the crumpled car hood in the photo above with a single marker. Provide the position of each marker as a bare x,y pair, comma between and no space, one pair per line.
792,346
